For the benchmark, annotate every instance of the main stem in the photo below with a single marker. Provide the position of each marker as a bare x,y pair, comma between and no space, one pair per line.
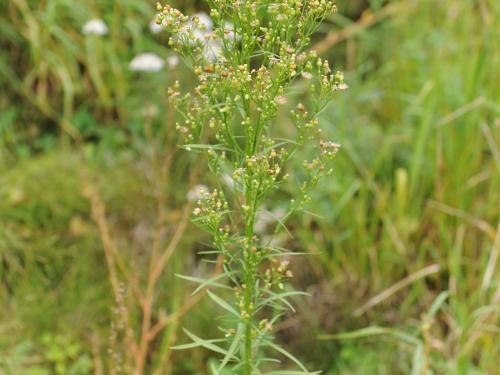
248,324
249,283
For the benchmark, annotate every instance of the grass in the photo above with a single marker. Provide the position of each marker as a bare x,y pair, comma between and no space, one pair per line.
417,184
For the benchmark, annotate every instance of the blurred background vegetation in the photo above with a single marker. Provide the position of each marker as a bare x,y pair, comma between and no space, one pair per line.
402,243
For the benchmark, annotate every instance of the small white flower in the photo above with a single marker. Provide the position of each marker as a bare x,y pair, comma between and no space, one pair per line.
212,51
229,33
146,62
193,33
173,61
228,180
307,75
280,99
150,110
199,35
154,27
342,86
196,193
95,27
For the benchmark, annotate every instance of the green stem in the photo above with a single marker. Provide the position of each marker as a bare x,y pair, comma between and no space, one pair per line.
248,324
249,284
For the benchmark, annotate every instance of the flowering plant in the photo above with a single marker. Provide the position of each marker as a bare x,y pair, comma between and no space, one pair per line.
246,55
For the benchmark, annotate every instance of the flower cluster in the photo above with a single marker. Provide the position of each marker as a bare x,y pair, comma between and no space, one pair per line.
277,274
211,209
190,35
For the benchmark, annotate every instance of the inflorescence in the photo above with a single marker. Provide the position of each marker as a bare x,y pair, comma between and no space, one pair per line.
245,56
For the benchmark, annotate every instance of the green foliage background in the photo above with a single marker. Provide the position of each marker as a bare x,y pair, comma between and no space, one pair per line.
416,187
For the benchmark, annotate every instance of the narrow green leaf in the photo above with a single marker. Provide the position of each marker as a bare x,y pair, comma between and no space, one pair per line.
214,369
206,147
438,302
219,301
232,348
372,331
418,360
197,341
487,309
360,333
204,282
281,297
289,356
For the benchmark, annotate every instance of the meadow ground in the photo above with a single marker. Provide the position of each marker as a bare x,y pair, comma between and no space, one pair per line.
402,242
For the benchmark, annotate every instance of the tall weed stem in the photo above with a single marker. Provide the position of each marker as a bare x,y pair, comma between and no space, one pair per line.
245,56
